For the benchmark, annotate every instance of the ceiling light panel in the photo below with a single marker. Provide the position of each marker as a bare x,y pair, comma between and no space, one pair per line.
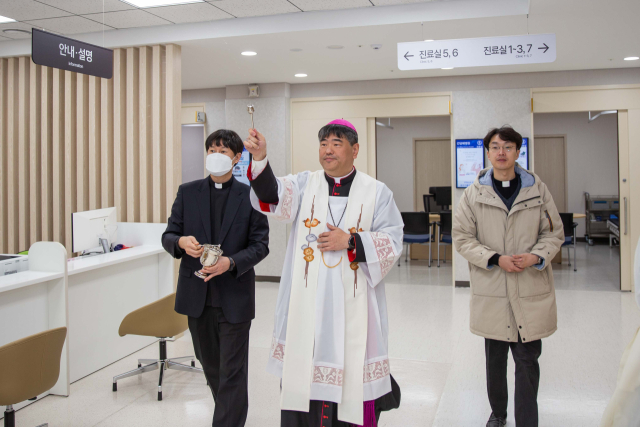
196,12
4,19
244,8
22,10
156,3
86,7
310,5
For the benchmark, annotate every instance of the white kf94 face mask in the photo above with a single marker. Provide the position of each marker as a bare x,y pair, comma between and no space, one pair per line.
218,164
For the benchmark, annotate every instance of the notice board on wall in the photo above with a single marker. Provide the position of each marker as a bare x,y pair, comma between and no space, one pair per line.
469,161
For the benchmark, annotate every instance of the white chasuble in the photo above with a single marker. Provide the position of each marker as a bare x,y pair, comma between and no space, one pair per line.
330,334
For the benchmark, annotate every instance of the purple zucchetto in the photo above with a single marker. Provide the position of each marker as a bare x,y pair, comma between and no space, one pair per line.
343,122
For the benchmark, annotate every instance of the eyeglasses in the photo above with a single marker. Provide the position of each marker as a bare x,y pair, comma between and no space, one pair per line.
507,149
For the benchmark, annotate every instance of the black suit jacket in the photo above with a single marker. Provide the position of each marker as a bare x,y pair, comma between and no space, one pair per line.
244,235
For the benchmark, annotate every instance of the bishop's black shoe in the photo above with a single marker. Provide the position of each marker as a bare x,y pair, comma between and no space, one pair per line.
496,422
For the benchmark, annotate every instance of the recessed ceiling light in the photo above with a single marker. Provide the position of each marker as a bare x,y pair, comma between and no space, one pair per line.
631,58
16,30
335,47
249,53
4,19
156,3
296,50
301,75
448,68
430,40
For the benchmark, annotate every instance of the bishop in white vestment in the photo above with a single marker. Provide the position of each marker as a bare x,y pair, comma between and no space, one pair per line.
330,340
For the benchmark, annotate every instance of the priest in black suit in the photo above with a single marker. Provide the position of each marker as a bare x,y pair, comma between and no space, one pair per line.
217,210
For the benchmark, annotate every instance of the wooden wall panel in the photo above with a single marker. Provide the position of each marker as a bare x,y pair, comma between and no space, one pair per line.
46,153
23,154
70,155
57,155
120,132
12,155
133,136
82,142
95,131
34,215
72,142
3,153
106,142
158,130
173,110
145,135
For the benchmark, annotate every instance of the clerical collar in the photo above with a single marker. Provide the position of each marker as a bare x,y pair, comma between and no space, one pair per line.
341,180
505,184
221,186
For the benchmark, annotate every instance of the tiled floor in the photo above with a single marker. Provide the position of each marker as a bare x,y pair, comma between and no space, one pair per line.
438,363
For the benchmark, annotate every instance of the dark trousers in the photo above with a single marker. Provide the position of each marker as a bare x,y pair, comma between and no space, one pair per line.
526,357
321,414
223,350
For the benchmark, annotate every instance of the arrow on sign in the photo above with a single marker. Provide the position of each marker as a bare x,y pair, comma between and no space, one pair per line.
546,48
407,56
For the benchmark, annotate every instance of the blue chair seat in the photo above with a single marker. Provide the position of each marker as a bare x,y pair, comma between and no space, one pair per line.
446,238
568,240
417,238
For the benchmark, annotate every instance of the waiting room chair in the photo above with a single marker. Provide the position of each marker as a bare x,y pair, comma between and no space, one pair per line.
160,320
28,368
444,233
428,200
417,229
569,236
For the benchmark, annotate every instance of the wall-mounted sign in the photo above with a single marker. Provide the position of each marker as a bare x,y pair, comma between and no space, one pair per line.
469,161
523,160
480,52
56,51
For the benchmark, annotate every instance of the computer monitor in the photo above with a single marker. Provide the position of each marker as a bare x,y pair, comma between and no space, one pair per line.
443,197
87,228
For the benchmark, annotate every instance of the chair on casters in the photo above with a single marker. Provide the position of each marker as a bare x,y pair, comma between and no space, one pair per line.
444,233
160,320
569,236
28,368
417,229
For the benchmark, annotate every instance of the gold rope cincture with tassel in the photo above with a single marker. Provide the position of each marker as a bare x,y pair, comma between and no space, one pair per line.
354,265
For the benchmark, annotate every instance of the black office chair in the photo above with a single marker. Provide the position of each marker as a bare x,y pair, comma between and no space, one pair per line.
569,236
428,201
433,206
417,229
444,233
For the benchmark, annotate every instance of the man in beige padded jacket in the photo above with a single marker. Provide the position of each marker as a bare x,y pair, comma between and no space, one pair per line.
508,228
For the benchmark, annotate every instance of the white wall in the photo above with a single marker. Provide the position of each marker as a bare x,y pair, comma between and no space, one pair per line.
592,155
468,83
394,152
474,114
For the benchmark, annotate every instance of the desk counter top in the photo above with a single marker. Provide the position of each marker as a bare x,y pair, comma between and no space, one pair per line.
84,264
23,279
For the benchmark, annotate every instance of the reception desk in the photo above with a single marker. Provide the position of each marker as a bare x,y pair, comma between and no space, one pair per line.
89,295
34,301
103,289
